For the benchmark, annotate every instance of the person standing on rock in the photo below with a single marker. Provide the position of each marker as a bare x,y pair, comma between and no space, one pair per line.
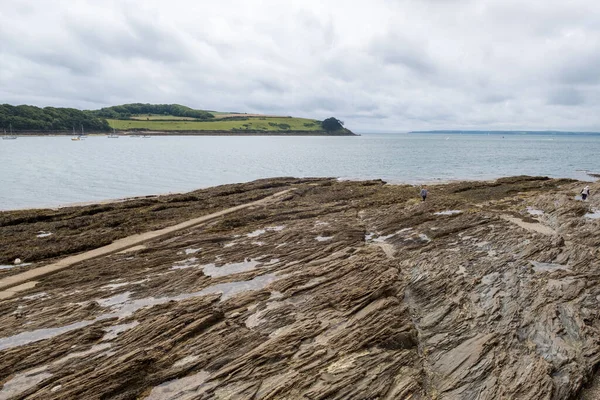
424,193
585,193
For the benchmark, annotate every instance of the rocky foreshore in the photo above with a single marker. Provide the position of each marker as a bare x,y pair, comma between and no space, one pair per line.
336,290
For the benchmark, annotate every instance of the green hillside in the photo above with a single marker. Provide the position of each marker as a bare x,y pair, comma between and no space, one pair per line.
159,119
224,124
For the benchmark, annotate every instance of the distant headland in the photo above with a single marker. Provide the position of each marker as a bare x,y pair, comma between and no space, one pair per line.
159,119
521,132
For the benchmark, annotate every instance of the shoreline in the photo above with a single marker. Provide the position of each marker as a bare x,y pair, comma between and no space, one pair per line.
190,133
433,182
97,202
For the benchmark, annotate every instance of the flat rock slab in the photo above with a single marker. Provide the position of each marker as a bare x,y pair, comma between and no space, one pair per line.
121,245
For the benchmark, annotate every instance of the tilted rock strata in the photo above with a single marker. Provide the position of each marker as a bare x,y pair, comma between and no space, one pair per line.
343,290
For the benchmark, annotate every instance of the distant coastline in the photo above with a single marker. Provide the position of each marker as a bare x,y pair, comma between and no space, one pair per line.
190,133
475,132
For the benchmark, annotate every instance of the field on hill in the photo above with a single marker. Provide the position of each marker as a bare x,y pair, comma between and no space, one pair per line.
243,115
160,117
252,123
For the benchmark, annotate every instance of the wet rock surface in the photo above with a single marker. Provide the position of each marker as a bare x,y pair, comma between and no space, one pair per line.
340,290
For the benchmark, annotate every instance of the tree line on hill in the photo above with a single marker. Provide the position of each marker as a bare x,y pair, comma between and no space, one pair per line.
31,118
22,118
126,111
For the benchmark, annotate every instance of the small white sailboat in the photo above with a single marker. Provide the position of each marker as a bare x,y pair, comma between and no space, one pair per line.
83,135
75,137
114,135
146,136
9,137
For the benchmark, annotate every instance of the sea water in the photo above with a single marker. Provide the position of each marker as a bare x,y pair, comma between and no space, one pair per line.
51,171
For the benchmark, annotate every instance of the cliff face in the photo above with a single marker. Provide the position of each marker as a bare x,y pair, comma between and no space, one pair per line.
340,290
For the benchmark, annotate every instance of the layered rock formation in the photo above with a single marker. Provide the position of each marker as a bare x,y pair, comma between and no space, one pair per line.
341,290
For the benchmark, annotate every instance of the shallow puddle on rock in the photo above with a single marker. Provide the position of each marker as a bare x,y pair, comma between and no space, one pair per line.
123,307
323,238
42,234
595,214
256,233
184,266
187,263
39,334
113,331
533,211
191,251
227,290
374,237
547,267
184,388
112,286
94,349
259,232
24,338
114,300
424,237
228,269
230,289
9,266
23,381
448,212
381,239
36,296
230,244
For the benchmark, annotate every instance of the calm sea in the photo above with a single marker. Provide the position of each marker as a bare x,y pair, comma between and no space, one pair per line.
36,171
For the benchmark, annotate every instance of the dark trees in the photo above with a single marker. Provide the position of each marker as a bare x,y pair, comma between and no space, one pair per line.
332,124
24,118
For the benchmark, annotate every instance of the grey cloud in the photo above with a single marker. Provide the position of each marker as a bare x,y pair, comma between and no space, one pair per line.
75,64
493,98
566,97
135,38
580,70
396,50
385,65
271,85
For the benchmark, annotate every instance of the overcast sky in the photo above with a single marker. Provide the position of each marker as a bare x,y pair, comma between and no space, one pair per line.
379,65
